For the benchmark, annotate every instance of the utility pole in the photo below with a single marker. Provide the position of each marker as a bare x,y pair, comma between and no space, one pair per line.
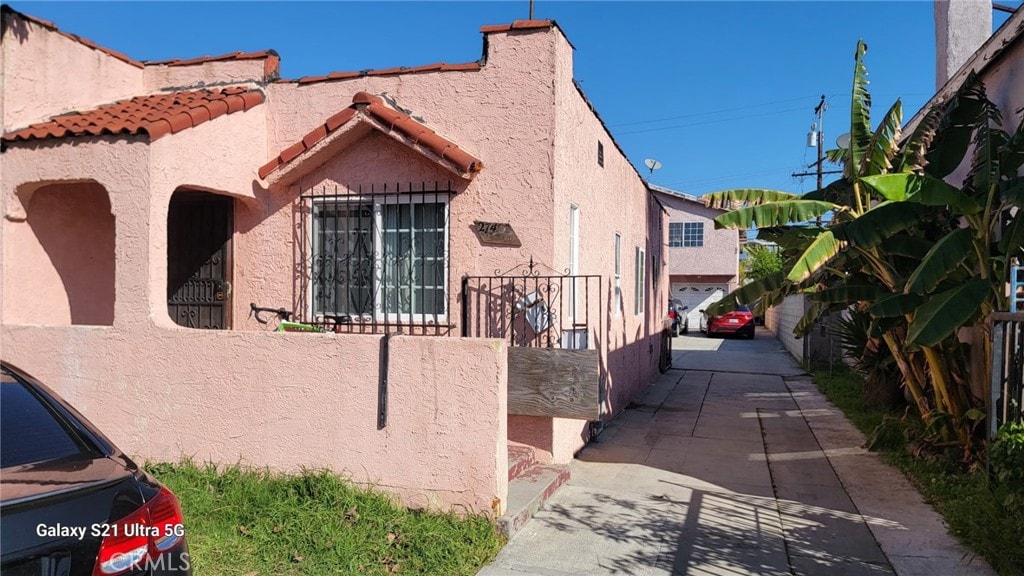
816,139
531,9
820,111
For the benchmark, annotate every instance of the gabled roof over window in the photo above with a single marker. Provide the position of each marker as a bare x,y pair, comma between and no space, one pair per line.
372,111
155,115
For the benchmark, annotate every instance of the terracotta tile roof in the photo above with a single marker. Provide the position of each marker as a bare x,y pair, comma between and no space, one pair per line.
438,67
518,25
155,115
53,27
271,65
418,135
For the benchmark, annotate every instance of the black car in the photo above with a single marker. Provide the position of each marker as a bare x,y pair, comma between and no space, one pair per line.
71,503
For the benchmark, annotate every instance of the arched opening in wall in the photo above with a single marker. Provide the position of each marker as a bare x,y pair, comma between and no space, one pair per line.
199,259
59,262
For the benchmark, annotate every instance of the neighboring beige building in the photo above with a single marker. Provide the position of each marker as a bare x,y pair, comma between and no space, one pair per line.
703,263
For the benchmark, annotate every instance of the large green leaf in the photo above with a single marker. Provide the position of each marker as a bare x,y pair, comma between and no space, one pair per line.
896,305
876,225
1013,237
984,173
744,197
945,256
912,158
815,257
1011,155
750,293
884,143
774,214
944,313
907,246
848,294
810,317
921,189
860,113
953,137
1011,191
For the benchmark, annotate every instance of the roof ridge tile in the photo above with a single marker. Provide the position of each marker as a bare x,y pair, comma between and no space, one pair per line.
154,114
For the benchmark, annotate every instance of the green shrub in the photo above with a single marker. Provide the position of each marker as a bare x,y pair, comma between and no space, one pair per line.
1006,458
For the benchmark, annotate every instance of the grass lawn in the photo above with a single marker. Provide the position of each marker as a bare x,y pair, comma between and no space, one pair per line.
962,497
253,522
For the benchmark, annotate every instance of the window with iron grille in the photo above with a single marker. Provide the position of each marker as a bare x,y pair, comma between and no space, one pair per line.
685,234
379,258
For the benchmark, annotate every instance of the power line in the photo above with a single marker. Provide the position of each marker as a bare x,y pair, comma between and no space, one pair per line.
733,118
709,113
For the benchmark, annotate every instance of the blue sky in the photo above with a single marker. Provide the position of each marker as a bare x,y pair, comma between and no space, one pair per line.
721,93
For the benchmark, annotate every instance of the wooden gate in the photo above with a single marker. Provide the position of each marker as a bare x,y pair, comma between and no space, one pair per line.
553,325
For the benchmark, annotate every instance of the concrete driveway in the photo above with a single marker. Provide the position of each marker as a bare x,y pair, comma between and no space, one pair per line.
732,463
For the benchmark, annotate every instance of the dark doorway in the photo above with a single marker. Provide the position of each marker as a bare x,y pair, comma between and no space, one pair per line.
199,228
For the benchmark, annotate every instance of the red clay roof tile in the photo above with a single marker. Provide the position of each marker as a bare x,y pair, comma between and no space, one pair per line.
518,25
438,67
154,115
375,108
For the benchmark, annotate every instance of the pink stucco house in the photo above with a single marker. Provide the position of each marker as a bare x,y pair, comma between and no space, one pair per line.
703,263
487,262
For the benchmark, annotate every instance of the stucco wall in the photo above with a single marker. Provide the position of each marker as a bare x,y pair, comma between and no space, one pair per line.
61,258
612,199
52,74
720,254
164,77
782,319
289,401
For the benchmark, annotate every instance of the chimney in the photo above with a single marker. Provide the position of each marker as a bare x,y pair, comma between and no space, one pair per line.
961,27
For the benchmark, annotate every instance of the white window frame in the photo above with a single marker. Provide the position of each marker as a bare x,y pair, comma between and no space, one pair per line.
574,256
675,240
618,274
378,242
640,286
693,235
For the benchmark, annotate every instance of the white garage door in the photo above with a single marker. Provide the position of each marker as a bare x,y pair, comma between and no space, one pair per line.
698,297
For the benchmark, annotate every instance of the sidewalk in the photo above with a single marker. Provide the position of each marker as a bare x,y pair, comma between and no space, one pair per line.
720,470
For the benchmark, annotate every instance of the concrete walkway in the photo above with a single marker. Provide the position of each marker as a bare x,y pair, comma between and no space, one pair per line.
732,463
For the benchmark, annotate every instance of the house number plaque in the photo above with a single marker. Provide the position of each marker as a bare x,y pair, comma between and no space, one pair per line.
496,233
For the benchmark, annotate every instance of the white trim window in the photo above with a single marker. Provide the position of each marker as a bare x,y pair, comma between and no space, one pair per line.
640,291
574,255
377,259
618,274
685,234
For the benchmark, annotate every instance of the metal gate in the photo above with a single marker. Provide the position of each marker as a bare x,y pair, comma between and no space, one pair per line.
199,229
553,324
533,311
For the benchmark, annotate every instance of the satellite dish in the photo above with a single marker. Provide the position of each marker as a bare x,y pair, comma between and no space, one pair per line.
843,141
652,164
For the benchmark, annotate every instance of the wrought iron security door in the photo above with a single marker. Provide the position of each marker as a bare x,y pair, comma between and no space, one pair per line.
199,227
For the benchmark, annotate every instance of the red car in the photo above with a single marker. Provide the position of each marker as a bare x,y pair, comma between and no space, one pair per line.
739,321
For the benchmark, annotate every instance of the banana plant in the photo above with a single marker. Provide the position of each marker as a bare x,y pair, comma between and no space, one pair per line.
920,255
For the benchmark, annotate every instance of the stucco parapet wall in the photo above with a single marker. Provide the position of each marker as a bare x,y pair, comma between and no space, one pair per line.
5,10
290,401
